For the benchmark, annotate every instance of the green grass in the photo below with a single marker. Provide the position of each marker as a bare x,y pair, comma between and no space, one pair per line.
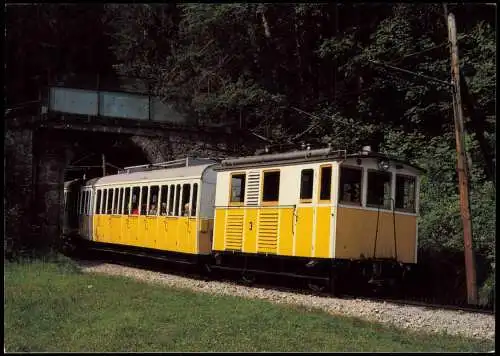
49,306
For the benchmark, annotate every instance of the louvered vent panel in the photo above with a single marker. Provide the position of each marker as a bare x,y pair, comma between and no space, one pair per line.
253,185
267,239
234,229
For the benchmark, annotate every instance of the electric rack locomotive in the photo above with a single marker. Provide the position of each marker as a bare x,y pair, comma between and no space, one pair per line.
323,215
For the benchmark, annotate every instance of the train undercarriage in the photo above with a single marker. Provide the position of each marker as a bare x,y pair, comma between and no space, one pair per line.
333,276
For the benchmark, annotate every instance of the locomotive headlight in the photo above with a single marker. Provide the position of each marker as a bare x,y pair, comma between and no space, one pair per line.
383,165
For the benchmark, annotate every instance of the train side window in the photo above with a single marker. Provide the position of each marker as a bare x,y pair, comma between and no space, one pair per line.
104,201
84,203
110,201
98,202
171,200
271,188
135,201
144,200
194,199
177,200
126,202
306,185
237,189
119,198
379,189
88,202
405,193
121,203
186,196
325,191
163,200
350,185
115,204
153,200
79,202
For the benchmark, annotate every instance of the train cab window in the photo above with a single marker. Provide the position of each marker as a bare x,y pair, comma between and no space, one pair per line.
171,200
306,185
350,185
144,200
271,187
153,200
110,201
325,191
405,193
237,188
126,202
186,196
379,189
194,200
177,200
135,201
115,204
84,207
98,202
163,200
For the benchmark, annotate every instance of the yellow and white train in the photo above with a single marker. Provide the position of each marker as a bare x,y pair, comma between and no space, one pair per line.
318,214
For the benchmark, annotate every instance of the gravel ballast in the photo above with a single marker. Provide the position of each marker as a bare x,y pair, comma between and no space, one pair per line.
475,325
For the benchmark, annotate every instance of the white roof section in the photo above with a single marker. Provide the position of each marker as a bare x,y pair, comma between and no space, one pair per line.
191,172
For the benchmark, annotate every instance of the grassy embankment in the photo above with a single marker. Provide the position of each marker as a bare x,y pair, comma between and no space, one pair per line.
50,306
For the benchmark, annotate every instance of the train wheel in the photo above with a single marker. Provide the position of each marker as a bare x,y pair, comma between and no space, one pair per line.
315,286
248,278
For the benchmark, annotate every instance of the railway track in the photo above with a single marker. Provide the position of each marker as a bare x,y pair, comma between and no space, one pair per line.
284,285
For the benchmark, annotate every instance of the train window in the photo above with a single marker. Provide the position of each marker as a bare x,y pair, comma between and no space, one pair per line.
306,184
237,188
118,201
126,202
110,201
98,202
171,200
350,185
153,201
115,204
405,193
325,191
135,201
177,200
163,200
104,201
79,202
194,200
144,200
84,202
186,196
271,189
88,203
121,203
379,189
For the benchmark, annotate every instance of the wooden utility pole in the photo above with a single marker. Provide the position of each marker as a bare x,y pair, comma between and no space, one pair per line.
470,266
103,165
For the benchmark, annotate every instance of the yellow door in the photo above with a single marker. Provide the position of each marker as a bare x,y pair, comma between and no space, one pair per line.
323,231
220,223
133,228
303,233
286,231
171,229
250,231
151,231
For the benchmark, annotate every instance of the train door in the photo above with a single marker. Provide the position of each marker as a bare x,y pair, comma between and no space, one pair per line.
151,217
162,224
305,213
133,218
324,216
171,219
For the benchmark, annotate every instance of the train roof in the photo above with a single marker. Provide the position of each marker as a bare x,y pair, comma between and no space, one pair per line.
302,156
194,172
